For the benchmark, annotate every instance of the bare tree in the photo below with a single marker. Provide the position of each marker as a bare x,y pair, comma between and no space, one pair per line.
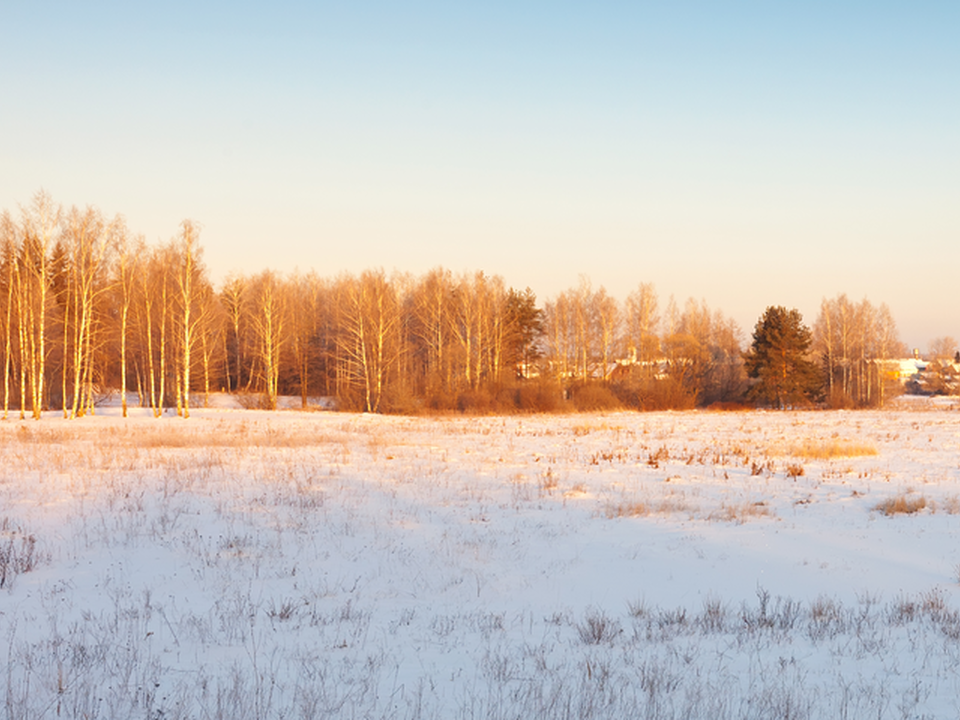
641,320
124,269
607,315
8,246
211,331
231,299
40,226
558,330
370,333
152,305
466,323
87,244
853,342
266,307
192,289
942,349
431,307
306,297
889,346
583,322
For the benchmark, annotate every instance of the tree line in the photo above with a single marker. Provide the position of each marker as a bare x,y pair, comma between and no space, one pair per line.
87,306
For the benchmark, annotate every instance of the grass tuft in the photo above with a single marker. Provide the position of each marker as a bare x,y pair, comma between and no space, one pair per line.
903,505
598,629
18,553
795,470
740,512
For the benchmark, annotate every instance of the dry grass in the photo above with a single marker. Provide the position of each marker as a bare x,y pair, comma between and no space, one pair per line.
627,509
39,434
950,505
584,429
169,434
740,512
643,508
727,512
577,490
231,436
18,552
908,504
818,449
547,482
795,470
904,505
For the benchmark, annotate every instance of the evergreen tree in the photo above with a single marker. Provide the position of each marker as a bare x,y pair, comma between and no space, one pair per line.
524,323
777,360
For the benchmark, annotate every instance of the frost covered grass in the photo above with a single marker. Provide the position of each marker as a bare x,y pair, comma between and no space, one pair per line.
668,565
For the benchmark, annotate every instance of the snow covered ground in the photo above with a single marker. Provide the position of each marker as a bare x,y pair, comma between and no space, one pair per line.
244,564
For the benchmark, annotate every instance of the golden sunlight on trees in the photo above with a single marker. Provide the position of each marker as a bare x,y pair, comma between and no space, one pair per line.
370,334
40,224
81,285
858,345
266,305
89,309
192,291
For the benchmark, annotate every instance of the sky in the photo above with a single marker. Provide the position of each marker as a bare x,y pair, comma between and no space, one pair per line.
742,153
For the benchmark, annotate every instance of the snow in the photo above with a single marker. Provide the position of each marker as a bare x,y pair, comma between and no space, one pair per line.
252,564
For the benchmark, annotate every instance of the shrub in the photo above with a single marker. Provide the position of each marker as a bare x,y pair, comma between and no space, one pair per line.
440,400
475,402
350,400
539,396
591,397
665,394
400,401
839,400
726,406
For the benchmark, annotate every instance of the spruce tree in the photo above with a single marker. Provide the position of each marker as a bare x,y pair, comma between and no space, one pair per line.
777,360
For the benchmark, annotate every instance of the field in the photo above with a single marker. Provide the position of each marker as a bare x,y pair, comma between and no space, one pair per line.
319,565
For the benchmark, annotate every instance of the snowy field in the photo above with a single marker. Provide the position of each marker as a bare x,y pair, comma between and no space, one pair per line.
318,565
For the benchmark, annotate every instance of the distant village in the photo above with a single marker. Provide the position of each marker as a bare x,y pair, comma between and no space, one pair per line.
926,377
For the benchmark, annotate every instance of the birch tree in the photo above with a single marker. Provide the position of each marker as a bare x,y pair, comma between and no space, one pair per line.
641,321
267,312
8,247
87,255
192,289
432,301
41,223
124,268
231,297
369,337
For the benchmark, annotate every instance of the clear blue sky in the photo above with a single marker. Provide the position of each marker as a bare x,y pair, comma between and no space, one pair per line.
745,153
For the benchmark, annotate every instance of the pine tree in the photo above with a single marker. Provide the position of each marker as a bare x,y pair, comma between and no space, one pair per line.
777,360
524,327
